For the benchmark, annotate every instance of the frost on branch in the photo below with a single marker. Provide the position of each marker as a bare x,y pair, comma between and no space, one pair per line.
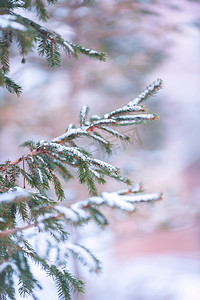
28,35
123,200
13,195
150,91
40,227
34,225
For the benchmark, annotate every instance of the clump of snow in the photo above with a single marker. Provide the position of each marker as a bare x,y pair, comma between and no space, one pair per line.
77,207
69,214
142,197
70,150
103,164
6,264
71,131
68,46
7,21
13,194
115,200
93,52
120,199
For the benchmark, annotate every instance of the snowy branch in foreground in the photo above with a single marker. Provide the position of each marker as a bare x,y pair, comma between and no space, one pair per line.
123,200
14,194
80,211
49,158
29,214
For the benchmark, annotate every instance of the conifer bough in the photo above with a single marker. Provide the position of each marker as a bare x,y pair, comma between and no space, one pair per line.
34,225
29,215
27,34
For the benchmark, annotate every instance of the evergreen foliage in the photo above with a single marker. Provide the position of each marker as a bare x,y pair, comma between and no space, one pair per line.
31,190
27,34
30,211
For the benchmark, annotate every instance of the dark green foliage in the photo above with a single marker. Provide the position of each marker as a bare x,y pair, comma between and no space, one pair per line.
41,171
29,35
29,216
5,42
10,85
40,9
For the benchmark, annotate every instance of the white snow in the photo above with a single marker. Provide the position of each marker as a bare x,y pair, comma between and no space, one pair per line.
105,121
22,263
41,159
135,188
83,254
142,197
68,213
97,117
129,122
41,142
43,218
4,265
42,242
98,138
115,200
125,109
7,21
19,2
71,150
77,207
71,131
67,45
92,200
135,117
93,52
13,194
95,173
40,174
83,112
103,164
156,85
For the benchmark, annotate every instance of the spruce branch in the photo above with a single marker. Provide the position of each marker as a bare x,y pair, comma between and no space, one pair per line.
48,158
40,216
79,211
150,91
9,84
30,35
28,215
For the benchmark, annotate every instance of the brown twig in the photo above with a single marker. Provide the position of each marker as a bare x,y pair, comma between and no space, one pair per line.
6,232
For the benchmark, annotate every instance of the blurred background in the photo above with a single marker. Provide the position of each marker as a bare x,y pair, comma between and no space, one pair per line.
152,254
